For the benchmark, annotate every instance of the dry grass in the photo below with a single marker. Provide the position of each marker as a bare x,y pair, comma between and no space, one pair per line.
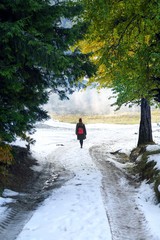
125,118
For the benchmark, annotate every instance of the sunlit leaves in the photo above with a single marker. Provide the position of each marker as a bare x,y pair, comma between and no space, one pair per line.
129,33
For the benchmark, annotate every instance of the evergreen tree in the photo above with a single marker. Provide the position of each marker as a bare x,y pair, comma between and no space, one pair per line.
36,58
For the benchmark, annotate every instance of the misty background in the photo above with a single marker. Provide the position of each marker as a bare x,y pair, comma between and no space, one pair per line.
87,102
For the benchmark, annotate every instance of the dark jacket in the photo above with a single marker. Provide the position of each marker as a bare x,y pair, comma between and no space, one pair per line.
81,136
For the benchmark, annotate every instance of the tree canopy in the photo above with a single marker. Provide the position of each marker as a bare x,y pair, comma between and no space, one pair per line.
124,40
36,58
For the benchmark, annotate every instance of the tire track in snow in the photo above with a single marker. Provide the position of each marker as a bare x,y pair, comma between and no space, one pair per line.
125,218
39,188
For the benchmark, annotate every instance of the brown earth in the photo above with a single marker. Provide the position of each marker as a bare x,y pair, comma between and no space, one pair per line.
19,173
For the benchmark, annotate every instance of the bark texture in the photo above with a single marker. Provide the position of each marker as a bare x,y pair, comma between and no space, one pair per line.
145,129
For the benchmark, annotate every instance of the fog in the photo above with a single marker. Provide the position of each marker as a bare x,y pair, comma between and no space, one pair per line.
86,102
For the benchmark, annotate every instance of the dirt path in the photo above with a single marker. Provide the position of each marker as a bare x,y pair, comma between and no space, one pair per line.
125,218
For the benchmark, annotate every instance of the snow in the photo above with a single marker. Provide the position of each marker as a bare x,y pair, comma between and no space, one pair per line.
156,158
152,148
9,193
76,211
3,200
146,200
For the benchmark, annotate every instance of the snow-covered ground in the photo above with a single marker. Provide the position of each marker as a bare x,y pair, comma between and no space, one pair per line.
77,211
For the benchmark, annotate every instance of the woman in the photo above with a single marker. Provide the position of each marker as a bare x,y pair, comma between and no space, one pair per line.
81,132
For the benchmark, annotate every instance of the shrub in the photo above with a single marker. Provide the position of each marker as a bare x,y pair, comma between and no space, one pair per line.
6,159
147,170
6,156
157,187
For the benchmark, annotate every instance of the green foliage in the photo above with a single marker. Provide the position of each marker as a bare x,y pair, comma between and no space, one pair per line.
126,34
28,139
124,40
36,58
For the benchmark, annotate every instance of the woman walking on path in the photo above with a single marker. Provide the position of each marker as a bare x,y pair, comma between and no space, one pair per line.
81,132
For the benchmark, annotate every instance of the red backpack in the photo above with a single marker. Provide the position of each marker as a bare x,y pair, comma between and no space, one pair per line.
80,131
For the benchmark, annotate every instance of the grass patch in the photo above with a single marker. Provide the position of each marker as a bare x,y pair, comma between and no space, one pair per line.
125,118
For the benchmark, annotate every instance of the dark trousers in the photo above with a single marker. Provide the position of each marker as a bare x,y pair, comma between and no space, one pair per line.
81,142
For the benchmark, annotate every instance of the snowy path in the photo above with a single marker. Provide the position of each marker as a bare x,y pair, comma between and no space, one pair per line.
98,202
125,218
37,189
74,211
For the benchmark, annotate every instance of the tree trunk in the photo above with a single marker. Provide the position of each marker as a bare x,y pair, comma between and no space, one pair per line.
145,129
